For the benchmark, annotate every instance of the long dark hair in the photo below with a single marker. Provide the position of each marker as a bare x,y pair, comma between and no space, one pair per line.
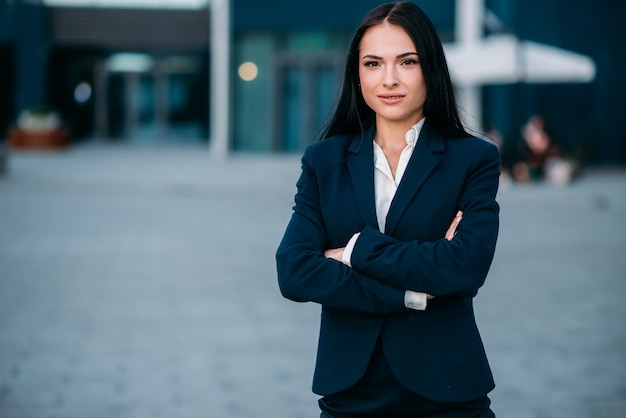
353,116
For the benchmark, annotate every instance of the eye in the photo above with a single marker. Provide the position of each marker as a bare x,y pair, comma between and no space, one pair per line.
370,64
410,61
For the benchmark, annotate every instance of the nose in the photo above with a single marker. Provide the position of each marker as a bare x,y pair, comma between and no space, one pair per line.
391,79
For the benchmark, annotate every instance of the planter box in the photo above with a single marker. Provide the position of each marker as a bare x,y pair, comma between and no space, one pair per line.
53,139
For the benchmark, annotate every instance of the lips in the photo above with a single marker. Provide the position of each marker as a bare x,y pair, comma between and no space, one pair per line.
391,98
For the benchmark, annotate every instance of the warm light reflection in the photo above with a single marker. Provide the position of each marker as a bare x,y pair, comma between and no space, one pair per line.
248,71
82,92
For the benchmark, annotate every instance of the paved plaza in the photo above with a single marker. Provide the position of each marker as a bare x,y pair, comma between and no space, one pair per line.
139,282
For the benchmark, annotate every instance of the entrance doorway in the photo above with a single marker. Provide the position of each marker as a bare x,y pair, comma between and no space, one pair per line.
305,92
142,100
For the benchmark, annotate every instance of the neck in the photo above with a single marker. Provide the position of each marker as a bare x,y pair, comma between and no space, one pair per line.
392,134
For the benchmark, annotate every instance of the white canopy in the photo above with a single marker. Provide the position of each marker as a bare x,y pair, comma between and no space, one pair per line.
504,59
475,61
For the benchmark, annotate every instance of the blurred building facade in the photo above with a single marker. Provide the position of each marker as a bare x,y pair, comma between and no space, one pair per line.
142,74
116,74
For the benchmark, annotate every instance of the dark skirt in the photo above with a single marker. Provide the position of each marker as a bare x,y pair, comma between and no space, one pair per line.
379,394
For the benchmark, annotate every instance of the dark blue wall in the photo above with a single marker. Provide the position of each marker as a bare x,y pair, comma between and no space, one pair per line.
24,35
585,118
294,15
7,22
31,56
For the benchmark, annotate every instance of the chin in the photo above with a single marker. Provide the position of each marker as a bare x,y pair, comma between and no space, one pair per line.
408,119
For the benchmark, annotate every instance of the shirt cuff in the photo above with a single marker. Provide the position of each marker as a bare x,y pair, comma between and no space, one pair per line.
346,257
415,300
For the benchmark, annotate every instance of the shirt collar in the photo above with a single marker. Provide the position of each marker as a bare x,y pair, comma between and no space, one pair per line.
414,133
411,137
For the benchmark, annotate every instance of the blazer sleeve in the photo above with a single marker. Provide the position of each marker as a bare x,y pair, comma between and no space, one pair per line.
443,267
305,274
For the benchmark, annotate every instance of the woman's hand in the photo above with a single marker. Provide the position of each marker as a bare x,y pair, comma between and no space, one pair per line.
451,232
335,253
449,235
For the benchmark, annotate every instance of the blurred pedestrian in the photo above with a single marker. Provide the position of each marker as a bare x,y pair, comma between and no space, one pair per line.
537,151
393,232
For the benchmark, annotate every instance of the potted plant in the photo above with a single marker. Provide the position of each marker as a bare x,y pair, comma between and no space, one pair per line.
38,128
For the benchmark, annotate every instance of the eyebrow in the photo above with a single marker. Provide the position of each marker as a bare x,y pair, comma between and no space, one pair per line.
376,57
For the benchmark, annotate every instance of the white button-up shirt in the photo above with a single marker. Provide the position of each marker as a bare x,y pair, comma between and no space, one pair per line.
385,187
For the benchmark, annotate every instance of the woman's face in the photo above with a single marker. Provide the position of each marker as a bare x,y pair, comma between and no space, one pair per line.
391,76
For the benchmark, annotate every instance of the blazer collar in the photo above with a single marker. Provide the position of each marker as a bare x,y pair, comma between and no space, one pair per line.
361,167
425,158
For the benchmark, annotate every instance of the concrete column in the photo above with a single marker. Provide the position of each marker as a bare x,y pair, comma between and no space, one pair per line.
469,30
470,103
469,20
220,69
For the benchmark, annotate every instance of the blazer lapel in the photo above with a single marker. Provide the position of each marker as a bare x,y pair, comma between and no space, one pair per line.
422,163
361,168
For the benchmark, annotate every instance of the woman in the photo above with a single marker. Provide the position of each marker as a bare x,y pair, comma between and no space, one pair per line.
376,236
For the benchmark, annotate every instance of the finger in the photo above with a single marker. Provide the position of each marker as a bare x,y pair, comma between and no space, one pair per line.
452,228
455,223
334,253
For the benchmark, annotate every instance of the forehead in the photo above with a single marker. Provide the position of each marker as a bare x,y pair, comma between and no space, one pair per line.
385,38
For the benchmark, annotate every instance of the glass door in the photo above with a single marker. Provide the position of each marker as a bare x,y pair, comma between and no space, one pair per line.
307,86
159,102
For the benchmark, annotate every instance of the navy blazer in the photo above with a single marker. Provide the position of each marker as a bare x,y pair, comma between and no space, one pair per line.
437,353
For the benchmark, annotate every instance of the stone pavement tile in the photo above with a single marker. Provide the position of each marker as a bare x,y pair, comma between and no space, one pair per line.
550,312
141,283
149,296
